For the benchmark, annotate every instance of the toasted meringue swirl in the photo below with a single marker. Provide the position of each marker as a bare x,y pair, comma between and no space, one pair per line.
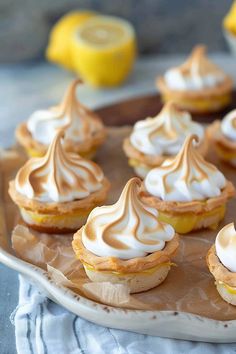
186,177
164,134
59,176
228,125
78,121
126,229
197,73
226,246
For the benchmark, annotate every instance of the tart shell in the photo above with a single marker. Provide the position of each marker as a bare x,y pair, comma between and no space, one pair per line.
133,265
200,101
93,199
86,148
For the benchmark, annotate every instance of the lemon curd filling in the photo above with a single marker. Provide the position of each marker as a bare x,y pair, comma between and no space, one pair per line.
135,163
88,154
231,290
146,271
225,154
201,103
34,153
185,223
72,220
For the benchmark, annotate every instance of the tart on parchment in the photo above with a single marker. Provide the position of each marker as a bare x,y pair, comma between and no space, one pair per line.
125,243
56,192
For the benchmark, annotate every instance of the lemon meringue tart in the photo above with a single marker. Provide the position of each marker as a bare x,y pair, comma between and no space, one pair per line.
197,85
153,140
223,135
56,192
188,192
125,243
221,261
84,130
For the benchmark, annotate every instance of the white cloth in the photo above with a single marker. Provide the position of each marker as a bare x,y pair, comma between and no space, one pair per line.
43,327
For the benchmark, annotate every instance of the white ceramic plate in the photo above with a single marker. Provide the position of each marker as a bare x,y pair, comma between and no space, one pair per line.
157,323
170,324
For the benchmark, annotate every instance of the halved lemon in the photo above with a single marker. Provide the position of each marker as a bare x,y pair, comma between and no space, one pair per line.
59,49
104,50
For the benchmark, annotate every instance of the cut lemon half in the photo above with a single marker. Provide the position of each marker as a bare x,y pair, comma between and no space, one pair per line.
104,50
59,47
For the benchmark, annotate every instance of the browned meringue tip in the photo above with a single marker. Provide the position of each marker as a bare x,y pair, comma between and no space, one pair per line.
198,51
190,139
171,105
71,90
223,234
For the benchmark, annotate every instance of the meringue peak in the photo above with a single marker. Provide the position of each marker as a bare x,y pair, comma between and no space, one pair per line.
78,121
196,73
186,177
127,229
59,176
226,246
165,133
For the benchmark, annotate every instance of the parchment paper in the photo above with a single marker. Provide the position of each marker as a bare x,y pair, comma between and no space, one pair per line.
189,286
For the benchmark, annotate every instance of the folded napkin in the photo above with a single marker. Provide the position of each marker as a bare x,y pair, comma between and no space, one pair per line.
43,327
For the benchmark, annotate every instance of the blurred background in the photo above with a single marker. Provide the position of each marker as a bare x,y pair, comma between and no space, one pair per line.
162,26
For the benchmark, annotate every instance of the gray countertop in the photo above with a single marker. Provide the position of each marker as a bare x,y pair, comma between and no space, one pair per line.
25,88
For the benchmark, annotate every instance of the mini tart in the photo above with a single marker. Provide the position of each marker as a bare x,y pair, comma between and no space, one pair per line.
225,280
195,215
56,192
91,127
224,147
143,163
57,217
125,243
141,273
188,192
202,100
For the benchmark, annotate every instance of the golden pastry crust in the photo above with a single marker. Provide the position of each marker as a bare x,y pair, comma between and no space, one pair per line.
155,160
220,89
49,230
218,270
24,137
119,265
94,199
196,207
219,139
